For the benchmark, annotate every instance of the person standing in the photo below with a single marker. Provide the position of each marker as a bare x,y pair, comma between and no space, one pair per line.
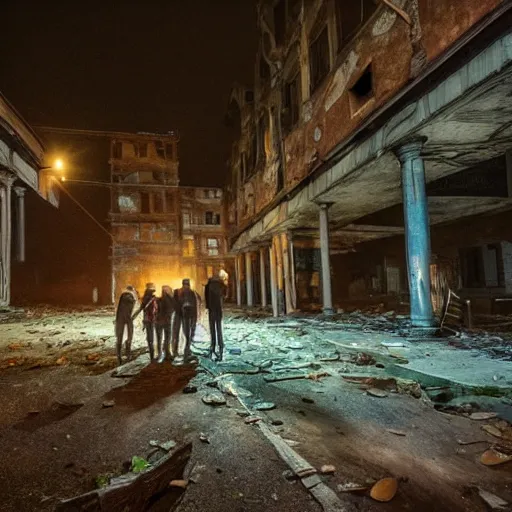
124,320
215,292
166,307
149,306
186,312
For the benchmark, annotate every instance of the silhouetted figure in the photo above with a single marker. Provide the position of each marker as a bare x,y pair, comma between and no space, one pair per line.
166,307
149,306
124,312
215,292
186,314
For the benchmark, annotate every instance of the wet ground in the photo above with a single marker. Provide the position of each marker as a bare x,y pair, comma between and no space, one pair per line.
56,436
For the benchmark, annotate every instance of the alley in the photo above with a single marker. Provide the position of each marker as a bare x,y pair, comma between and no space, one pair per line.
305,380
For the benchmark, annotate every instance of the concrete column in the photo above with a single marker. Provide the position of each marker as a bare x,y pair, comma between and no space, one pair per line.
6,181
325,259
417,232
263,279
248,279
238,279
20,238
273,281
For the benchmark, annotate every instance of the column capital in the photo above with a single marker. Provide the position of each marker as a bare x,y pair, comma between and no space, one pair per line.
410,149
324,205
20,191
7,178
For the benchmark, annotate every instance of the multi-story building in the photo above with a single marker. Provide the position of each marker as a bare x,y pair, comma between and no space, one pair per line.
162,232
375,139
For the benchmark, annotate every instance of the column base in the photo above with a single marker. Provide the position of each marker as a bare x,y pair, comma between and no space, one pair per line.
328,311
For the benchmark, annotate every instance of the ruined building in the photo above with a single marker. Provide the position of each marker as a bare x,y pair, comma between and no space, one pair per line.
372,160
21,166
162,232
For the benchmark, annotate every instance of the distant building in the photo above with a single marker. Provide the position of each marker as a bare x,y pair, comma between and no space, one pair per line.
162,232
373,156
21,160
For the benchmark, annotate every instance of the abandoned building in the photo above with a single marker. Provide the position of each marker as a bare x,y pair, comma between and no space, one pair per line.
162,232
372,157
21,167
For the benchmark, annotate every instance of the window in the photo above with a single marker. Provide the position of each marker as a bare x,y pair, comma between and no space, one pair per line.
350,16
143,150
169,151
319,59
212,219
261,139
144,202
169,201
362,91
218,193
213,247
159,147
186,221
290,114
117,150
264,70
158,202
280,22
189,248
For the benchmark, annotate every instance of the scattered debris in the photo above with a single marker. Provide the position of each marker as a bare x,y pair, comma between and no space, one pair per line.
307,400
204,438
252,419
235,351
92,357
466,443
242,413
108,403
384,490
189,389
166,446
351,487
479,416
396,432
214,398
493,457
295,345
264,406
493,501
393,344
291,443
363,359
182,484
61,360
327,469
376,392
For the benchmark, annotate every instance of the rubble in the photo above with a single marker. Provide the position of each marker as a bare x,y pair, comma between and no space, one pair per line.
493,501
384,490
214,398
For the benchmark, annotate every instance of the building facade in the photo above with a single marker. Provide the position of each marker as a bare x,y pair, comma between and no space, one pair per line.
21,162
375,136
162,232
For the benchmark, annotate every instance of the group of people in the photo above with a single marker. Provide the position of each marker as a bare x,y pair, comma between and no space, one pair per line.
165,317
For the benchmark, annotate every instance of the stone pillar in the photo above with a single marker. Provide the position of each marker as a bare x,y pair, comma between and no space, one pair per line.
6,181
238,279
325,259
417,232
273,281
20,214
248,279
263,279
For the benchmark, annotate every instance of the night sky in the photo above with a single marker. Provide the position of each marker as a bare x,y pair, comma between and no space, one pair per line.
126,66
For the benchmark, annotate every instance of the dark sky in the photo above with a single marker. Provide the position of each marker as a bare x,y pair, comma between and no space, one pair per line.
153,65
132,65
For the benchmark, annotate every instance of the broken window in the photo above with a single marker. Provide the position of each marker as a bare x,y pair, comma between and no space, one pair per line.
319,63
144,202
362,91
280,22
350,16
159,147
143,149
213,247
117,150
291,104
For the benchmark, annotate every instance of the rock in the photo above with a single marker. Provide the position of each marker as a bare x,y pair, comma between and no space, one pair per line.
182,484
108,403
264,406
384,490
276,422
92,357
479,416
189,389
214,398
408,387
494,431
376,392
493,501
307,400
494,458
351,487
166,446
327,469
235,351
204,438
295,345
363,359
242,413
252,419
61,361
291,443
396,432
289,475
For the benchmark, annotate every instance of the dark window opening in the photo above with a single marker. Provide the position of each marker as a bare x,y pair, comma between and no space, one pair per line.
261,139
319,59
143,150
280,22
249,96
117,150
144,202
264,70
169,202
169,151
158,203
350,16
159,146
212,219
294,9
362,91
291,104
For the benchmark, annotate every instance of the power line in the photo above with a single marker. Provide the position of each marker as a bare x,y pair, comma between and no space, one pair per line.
83,208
